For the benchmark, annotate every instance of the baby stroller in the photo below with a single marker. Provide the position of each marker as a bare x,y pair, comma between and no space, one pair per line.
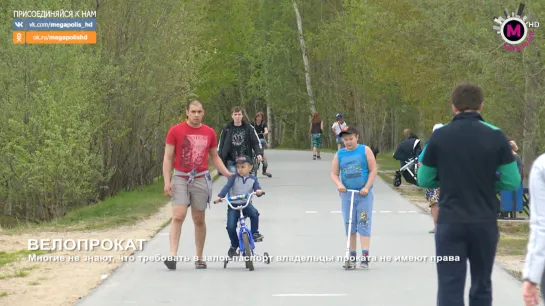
407,153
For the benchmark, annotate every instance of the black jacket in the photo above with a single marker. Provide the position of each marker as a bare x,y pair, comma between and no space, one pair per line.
253,145
407,149
463,159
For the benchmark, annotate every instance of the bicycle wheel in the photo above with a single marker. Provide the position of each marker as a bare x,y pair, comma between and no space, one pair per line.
247,251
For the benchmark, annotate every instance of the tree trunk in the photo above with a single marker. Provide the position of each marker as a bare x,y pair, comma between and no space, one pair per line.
269,126
312,104
381,136
532,88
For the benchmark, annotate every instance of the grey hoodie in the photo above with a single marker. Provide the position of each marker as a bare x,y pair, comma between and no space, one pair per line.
535,257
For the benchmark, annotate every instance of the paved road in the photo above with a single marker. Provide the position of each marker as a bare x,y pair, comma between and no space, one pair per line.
299,217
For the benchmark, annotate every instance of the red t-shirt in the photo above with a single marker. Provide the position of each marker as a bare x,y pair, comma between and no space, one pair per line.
191,146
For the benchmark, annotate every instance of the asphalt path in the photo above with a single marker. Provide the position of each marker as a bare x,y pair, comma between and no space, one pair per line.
303,229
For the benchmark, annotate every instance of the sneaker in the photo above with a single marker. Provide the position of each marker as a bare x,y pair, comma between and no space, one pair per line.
364,263
351,264
232,252
258,237
318,157
313,157
171,264
267,174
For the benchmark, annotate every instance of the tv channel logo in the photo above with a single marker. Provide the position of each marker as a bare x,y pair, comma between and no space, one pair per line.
515,29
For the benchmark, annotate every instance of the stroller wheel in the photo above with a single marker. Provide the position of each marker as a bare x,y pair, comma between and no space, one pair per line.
397,180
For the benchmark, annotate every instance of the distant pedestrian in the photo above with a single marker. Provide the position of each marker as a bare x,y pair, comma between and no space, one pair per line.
337,128
515,150
316,129
462,159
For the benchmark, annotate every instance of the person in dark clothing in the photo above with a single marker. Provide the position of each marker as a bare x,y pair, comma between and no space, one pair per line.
316,129
463,159
261,129
238,138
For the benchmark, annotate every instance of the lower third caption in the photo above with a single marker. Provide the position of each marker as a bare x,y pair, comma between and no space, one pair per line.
256,258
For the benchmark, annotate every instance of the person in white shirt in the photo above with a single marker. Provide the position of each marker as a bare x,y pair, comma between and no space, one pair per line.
534,267
337,128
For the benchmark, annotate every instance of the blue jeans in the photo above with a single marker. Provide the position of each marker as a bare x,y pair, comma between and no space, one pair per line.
362,212
232,222
262,142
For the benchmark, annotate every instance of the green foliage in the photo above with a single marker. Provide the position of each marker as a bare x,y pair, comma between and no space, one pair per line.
82,123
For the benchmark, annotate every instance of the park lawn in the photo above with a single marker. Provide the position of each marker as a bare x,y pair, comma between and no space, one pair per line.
124,209
9,257
513,238
387,163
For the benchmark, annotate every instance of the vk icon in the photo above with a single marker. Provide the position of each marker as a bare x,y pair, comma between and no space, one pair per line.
18,24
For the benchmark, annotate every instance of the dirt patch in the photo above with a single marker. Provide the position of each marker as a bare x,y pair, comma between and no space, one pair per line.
63,283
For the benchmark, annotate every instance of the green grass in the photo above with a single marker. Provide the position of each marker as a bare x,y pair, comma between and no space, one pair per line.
386,167
2,294
386,162
9,257
513,238
125,208
512,246
21,273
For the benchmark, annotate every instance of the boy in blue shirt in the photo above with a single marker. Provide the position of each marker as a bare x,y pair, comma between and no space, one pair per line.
241,183
355,167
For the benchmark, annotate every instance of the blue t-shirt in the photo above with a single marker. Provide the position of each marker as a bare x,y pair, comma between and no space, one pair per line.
353,167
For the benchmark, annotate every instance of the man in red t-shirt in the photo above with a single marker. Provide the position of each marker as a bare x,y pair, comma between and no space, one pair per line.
188,146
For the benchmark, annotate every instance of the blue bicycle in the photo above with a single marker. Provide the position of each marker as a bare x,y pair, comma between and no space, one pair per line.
245,237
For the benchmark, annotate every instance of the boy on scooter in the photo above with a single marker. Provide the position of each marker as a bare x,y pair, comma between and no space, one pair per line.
241,183
354,167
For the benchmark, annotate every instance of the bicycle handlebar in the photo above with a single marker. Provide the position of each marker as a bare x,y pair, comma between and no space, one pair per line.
247,196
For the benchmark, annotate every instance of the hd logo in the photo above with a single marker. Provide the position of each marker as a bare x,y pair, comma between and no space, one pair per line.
514,29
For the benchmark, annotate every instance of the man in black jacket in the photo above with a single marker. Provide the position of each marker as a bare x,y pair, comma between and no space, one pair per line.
238,138
469,159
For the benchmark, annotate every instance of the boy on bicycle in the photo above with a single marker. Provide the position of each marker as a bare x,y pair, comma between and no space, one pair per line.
354,167
241,183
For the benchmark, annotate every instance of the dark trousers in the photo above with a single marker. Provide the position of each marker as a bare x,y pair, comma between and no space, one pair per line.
232,222
475,242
